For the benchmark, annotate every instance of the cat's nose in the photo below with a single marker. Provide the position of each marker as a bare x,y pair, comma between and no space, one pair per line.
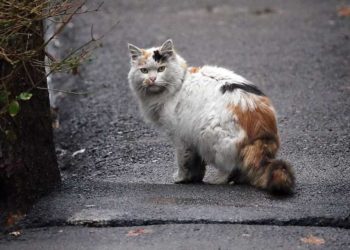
152,79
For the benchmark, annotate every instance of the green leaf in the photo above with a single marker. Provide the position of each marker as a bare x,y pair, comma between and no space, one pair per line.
13,108
24,96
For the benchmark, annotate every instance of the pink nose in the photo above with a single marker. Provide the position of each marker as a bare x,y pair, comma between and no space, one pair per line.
152,79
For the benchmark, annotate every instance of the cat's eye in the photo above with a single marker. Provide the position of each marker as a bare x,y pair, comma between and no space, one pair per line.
161,68
144,70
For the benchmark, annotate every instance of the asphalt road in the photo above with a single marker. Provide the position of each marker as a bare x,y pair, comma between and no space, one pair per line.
297,52
184,237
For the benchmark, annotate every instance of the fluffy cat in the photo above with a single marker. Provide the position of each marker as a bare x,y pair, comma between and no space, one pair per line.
213,117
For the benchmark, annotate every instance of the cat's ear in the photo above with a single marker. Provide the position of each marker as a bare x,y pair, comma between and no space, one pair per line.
134,51
167,48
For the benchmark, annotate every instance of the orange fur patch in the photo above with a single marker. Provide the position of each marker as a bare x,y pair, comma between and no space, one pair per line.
257,123
194,70
254,155
262,140
258,150
142,61
144,57
265,100
146,54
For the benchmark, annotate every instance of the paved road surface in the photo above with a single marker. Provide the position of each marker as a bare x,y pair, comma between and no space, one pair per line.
298,52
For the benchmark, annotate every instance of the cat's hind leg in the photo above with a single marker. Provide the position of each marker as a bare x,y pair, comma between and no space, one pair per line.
191,167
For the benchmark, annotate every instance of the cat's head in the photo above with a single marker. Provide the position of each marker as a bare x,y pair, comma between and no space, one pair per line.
156,70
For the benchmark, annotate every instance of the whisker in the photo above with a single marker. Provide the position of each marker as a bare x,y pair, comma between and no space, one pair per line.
167,83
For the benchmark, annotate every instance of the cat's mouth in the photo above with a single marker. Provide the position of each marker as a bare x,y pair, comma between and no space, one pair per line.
155,89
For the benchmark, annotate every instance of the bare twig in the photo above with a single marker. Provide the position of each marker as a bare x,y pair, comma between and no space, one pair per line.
18,24
64,91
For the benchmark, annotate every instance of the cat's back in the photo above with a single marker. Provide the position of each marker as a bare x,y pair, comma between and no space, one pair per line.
211,89
202,100
219,74
207,81
213,77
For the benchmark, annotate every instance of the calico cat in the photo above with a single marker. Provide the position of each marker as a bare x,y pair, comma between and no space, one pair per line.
213,117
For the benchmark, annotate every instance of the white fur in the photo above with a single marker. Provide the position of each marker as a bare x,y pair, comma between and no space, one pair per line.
202,119
194,112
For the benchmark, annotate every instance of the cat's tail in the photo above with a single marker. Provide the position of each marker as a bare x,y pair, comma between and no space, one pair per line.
262,170
279,177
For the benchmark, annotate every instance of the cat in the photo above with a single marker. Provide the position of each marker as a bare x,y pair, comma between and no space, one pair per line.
212,116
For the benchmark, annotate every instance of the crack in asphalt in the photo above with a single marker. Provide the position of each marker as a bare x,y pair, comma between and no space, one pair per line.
343,223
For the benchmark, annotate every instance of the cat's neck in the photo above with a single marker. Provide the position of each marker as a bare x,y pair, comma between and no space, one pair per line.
152,105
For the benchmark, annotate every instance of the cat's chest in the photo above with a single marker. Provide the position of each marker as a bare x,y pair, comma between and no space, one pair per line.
194,107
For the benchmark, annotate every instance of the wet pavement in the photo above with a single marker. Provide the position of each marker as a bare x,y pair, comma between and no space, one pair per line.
297,52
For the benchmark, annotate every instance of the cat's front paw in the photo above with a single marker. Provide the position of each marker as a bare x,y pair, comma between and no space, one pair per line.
178,179
184,179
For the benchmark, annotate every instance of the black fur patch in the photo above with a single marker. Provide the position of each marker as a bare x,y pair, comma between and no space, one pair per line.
158,57
246,87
